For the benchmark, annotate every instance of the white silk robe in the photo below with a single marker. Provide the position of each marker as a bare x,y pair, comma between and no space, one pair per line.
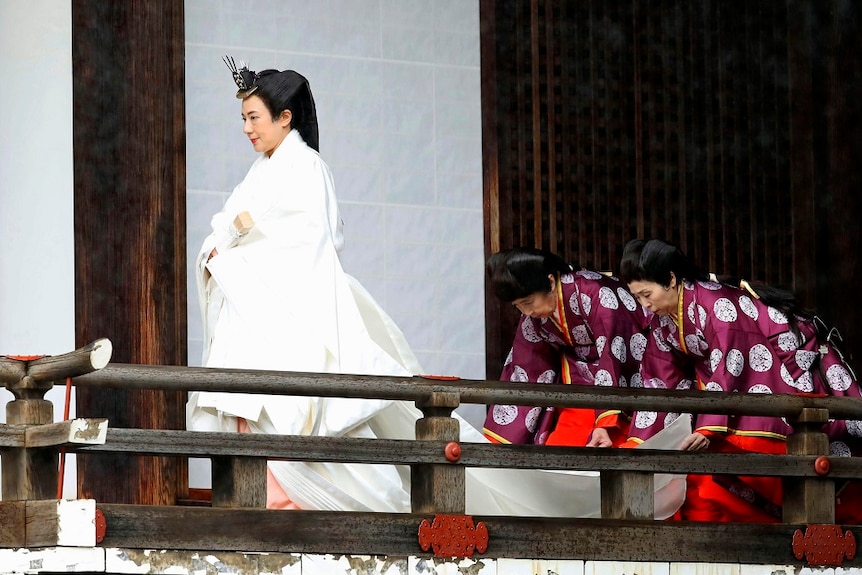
278,298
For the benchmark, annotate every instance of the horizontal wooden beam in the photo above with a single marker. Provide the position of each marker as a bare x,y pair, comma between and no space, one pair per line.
418,389
404,452
80,431
200,528
48,523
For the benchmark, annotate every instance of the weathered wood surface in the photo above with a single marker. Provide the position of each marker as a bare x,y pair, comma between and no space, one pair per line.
47,523
238,482
86,359
806,499
155,377
79,431
627,495
437,486
392,451
397,534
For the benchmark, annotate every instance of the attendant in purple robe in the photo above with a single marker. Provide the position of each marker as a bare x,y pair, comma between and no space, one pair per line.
751,339
577,327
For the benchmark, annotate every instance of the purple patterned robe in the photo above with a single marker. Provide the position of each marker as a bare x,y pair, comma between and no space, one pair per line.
599,342
732,342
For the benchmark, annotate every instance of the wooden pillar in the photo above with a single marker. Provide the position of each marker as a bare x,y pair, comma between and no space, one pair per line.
438,488
130,242
238,482
627,495
809,500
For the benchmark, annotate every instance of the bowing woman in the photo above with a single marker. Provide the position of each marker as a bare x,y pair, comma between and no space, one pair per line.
576,327
711,336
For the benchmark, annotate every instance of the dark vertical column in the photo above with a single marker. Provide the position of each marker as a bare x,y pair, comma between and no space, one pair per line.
130,272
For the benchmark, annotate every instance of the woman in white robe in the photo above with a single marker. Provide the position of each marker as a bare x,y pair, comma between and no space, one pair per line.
273,295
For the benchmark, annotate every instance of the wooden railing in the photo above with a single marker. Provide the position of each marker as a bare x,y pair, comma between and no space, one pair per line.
237,520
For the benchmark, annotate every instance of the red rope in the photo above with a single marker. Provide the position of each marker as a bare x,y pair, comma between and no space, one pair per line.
62,472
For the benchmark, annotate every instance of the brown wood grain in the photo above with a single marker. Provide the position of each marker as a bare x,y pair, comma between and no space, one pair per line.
129,221
151,527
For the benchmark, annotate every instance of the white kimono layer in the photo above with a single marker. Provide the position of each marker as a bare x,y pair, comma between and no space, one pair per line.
278,298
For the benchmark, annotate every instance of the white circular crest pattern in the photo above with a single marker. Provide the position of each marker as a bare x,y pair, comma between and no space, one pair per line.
567,279
504,414
608,298
583,351
777,316
531,420
586,303
713,386
670,418
528,330
645,418
735,362
600,344
657,383
710,285
805,359
839,449
854,427
589,274
519,374
584,371
714,359
760,358
759,388
508,358
788,341
838,377
659,341
622,382
804,384
724,310
636,380
573,303
637,345
627,299
604,378
692,342
684,384
748,308
548,376
581,335
618,348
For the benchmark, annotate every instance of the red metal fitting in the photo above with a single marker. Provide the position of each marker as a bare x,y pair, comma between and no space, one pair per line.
453,536
453,451
101,526
821,465
824,545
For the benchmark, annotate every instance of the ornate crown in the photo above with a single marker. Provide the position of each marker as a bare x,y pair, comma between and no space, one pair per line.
245,79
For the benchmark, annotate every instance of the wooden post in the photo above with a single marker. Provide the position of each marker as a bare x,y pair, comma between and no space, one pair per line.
31,472
627,495
238,482
437,488
809,500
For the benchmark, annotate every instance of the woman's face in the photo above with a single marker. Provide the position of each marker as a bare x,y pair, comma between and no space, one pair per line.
539,304
659,299
264,133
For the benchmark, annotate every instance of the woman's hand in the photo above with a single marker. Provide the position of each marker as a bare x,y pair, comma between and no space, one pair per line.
695,442
600,438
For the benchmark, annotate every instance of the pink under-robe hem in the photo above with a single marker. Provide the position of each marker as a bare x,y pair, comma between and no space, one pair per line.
276,498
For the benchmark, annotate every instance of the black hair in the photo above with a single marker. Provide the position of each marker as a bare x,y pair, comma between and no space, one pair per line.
521,272
654,260
289,90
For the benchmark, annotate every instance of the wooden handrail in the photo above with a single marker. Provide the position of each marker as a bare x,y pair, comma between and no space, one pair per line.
417,389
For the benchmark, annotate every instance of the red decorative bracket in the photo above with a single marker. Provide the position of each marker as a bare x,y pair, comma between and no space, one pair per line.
101,526
824,545
453,536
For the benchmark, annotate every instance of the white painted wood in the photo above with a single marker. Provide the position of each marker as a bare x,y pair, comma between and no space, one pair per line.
625,568
704,569
539,567
438,566
52,560
353,565
76,522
